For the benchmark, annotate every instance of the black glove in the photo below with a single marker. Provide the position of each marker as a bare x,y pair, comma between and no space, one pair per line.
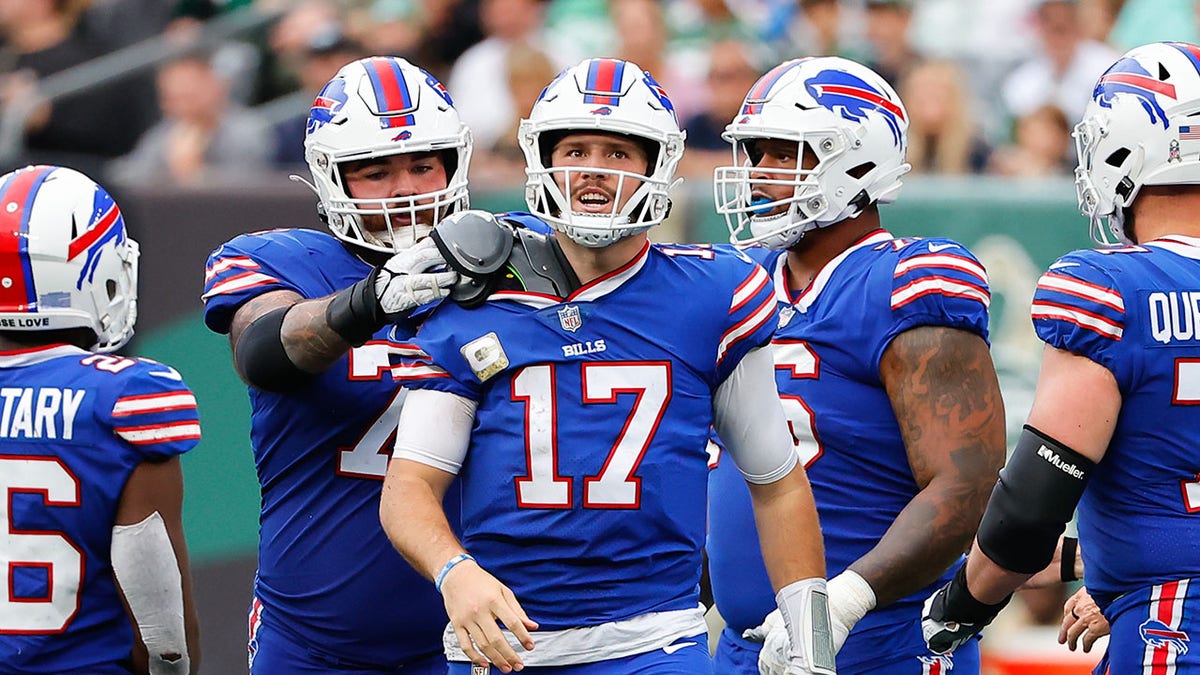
952,616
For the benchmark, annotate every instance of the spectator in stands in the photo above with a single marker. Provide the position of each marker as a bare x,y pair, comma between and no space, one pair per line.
642,37
45,37
1043,144
478,78
202,138
942,135
731,73
328,49
1064,71
891,53
527,70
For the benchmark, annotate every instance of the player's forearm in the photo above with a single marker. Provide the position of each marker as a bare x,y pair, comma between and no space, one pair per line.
788,529
307,338
932,531
415,522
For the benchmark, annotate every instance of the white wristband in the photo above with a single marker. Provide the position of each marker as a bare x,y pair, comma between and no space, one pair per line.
850,598
461,557
804,605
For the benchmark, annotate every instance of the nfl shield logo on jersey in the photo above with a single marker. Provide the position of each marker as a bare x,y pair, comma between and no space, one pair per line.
569,318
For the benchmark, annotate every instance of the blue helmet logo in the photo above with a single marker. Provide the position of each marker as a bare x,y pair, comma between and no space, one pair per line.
1127,76
852,98
327,104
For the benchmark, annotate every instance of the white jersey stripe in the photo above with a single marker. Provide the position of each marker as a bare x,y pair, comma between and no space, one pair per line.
942,260
159,433
417,372
1064,284
132,405
749,288
909,292
1098,324
225,263
746,327
240,283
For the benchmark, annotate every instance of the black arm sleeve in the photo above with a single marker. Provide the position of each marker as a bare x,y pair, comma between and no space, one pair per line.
261,359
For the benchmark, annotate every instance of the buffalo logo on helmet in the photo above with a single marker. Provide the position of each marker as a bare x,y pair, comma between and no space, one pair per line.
1129,78
852,98
327,104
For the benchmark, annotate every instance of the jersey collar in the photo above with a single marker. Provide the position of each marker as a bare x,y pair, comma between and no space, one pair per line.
592,290
810,294
27,357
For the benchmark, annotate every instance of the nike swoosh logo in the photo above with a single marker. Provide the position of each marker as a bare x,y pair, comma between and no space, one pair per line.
671,649
1061,265
934,248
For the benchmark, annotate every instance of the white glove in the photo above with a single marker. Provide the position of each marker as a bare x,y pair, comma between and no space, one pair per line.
850,598
773,659
404,282
803,613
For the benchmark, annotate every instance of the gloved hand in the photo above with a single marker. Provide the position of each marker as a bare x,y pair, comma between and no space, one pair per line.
404,282
952,616
803,613
773,659
390,293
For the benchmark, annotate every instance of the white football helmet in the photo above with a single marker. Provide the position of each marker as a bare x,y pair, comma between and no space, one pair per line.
375,107
841,111
1138,130
607,95
72,264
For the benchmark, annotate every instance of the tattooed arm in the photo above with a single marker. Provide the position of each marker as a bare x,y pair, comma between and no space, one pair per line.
309,342
946,397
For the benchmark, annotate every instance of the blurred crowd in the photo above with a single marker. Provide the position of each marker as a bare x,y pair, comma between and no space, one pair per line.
992,87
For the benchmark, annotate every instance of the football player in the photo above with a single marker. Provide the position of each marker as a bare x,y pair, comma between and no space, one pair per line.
1114,421
579,397
93,564
882,363
315,321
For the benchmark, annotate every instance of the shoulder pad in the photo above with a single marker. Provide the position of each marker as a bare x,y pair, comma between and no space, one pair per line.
537,265
475,245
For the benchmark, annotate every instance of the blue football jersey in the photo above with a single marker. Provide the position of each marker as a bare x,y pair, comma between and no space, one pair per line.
73,427
327,574
827,348
584,482
1136,311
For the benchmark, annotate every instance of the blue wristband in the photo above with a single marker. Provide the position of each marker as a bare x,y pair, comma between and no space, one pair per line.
437,583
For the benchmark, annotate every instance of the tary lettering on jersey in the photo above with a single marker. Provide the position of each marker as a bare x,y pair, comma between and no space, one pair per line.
42,412
584,348
1174,316
485,355
26,322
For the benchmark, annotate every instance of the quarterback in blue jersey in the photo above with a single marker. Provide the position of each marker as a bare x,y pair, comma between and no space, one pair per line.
579,397
316,323
882,363
1114,421
91,491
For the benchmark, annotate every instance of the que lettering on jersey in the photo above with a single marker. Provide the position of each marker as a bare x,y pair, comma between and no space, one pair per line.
41,412
1174,316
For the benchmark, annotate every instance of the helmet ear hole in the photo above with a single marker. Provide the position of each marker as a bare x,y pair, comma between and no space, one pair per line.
1117,157
111,287
861,170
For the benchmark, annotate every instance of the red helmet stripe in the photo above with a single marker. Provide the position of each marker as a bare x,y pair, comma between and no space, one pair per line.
84,241
16,276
